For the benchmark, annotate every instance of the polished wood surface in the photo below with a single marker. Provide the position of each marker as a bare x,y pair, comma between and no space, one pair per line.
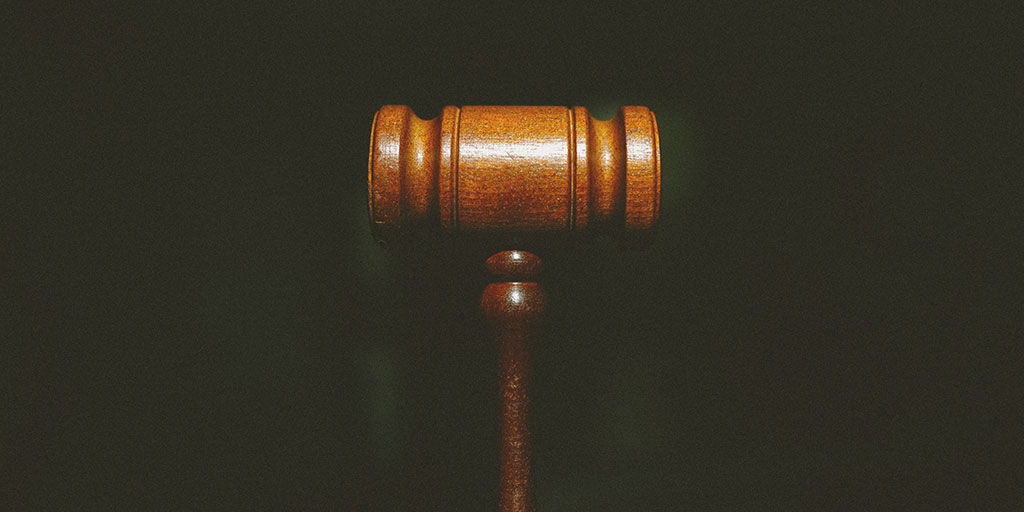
519,175
513,307
513,169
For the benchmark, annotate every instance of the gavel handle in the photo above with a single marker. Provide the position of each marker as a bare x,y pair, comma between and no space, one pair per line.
513,309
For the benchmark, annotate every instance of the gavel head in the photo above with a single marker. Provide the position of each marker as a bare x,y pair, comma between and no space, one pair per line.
513,172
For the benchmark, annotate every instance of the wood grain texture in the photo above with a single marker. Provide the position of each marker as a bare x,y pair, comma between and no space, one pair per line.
513,169
514,308
518,171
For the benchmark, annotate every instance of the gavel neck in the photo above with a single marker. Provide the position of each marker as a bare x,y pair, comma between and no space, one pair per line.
514,307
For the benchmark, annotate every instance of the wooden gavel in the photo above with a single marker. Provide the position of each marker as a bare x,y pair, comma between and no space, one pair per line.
513,175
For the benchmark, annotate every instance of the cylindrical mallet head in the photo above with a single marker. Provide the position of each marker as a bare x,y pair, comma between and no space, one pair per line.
513,170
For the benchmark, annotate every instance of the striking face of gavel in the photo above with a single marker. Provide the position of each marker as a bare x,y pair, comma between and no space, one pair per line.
513,170
513,174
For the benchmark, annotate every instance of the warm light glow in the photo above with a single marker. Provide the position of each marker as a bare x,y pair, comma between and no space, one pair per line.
498,150
515,297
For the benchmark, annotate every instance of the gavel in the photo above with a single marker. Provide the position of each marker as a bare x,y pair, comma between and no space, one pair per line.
512,177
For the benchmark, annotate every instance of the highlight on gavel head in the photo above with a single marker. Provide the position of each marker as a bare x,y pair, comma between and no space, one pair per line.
513,170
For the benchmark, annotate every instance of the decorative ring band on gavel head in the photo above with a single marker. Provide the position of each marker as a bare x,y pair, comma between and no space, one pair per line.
515,170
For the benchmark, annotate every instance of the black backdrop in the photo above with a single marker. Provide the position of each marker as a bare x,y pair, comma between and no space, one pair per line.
200,319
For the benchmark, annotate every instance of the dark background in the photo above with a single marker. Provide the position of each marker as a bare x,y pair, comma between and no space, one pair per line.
195,315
